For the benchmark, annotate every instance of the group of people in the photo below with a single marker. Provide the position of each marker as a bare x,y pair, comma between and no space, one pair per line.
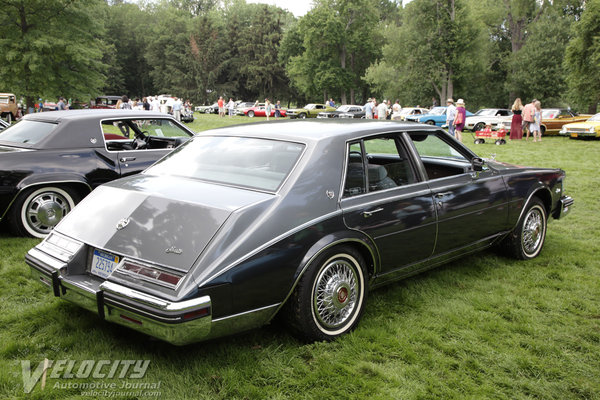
384,110
526,118
455,117
173,105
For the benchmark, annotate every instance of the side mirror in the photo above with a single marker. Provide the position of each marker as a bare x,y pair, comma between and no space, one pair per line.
477,164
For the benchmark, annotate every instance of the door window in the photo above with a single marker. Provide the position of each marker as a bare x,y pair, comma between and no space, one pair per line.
440,157
386,164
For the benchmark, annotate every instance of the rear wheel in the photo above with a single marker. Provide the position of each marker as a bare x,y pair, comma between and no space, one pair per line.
9,118
251,114
38,210
430,122
302,116
527,239
329,299
478,126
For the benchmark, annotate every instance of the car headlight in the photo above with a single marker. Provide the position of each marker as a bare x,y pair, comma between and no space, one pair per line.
591,130
563,130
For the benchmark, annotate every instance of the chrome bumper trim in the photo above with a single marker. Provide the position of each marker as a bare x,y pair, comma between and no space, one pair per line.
564,206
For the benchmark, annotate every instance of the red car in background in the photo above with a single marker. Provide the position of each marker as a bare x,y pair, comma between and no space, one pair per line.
260,111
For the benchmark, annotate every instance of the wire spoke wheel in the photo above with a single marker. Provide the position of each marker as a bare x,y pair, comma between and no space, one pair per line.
533,231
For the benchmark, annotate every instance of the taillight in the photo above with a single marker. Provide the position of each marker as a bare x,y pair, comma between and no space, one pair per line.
150,274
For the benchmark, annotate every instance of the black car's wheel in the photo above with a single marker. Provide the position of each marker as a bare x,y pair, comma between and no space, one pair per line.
302,116
478,126
9,118
37,211
430,122
527,239
251,114
329,299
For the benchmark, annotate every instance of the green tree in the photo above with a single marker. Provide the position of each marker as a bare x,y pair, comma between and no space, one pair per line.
582,60
50,48
434,52
339,41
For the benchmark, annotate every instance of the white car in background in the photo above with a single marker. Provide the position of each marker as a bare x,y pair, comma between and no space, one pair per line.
492,116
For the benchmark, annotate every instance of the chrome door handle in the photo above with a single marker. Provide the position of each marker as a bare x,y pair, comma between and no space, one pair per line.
125,159
368,214
442,194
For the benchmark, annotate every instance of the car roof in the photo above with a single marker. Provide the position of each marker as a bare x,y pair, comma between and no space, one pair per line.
92,114
316,130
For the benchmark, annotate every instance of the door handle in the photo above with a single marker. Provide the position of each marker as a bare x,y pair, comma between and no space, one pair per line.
368,214
125,159
442,194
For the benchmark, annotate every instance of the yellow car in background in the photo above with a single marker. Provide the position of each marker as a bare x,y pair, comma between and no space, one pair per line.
585,129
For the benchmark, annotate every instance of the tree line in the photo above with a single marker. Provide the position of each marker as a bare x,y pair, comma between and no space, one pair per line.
486,51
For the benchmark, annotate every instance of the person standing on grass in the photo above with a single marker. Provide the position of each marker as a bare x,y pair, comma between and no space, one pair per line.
459,120
450,115
177,105
278,109
516,128
369,109
537,122
268,108
221,105
382,111
528,116
230,107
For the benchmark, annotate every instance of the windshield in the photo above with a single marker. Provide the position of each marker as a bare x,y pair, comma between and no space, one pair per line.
595,118
261,164
27,132
486,112
438,111
309,106
344,108
550,113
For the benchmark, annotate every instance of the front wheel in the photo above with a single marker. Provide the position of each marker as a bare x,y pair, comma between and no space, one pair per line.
251,114
37,211
478,126
302,116
527,239
329,299
430,122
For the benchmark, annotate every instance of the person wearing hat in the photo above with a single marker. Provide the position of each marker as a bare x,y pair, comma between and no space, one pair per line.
459,120
450,115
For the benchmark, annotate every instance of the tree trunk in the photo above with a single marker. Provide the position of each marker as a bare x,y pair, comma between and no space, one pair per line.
352,96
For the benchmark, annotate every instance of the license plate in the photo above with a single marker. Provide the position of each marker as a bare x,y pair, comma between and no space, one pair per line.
103,263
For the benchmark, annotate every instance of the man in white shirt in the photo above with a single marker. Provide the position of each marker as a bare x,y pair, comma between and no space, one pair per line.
155,104
450,115
382,111
177,105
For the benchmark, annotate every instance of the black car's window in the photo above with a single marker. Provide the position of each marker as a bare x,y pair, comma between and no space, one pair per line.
440,156
27,132
149,133
386,162
261,164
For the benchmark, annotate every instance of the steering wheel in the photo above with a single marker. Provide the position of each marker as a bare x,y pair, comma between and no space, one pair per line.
141,140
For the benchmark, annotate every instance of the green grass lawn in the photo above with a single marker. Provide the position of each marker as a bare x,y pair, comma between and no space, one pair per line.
482,327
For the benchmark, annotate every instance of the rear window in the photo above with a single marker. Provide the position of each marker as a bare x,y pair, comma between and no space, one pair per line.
27,132
261,164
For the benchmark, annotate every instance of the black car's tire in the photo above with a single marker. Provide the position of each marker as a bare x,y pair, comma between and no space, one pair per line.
478,126
9,118
430,122
330,297
251,114
37,210
527,239
302,115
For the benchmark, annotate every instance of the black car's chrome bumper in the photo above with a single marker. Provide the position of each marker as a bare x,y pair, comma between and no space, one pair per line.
565,204
177,322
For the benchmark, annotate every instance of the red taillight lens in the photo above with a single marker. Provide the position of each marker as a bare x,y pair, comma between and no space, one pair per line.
168,278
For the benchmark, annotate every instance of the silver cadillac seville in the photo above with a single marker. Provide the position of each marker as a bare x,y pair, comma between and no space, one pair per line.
297,218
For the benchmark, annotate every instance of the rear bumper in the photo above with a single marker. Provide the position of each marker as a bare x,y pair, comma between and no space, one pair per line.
177,322
565,203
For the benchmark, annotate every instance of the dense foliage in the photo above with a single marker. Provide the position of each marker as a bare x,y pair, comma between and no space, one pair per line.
485,51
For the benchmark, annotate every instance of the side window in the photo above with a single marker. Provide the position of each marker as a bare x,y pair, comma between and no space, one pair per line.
440,157
386,164
355,171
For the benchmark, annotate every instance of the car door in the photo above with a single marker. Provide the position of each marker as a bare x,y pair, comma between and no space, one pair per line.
144,141
471,206
383,198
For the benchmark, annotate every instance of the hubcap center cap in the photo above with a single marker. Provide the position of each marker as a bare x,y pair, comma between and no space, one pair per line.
342,295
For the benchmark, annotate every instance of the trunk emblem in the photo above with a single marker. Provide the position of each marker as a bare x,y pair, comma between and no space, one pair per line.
173,250
122,223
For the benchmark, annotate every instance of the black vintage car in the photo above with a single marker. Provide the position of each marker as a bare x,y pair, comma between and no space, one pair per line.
299,219
49,161
3,124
